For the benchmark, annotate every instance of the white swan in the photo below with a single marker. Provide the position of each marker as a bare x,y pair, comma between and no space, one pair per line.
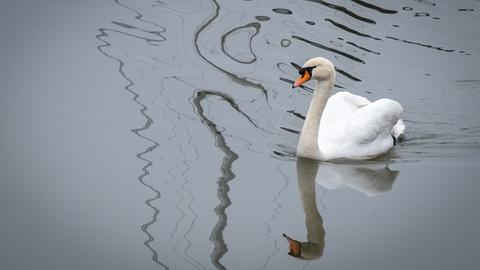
345,125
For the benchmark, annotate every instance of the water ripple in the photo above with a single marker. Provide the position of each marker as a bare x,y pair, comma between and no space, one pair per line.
344,10
234,77
220,247
318,45
374,7
249,58
362,48
350,30
137,131
276,212
420,44
139,17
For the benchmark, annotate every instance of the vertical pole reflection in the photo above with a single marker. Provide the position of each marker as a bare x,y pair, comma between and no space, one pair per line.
138,132
220,247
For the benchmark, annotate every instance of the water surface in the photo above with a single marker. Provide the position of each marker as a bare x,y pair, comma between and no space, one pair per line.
162,135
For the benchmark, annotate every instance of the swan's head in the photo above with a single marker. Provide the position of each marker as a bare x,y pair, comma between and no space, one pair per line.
317,68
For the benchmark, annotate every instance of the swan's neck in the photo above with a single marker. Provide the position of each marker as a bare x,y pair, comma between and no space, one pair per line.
308,143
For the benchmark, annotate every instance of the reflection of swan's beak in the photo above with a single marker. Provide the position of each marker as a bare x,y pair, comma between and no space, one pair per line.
310,250
294,247
370,179
302,79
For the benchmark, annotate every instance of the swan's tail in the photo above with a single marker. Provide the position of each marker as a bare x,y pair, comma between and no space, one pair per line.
398,131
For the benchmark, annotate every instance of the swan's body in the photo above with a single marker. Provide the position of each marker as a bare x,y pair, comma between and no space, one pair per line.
345,125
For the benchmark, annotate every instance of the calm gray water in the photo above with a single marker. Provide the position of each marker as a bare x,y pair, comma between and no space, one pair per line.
161,135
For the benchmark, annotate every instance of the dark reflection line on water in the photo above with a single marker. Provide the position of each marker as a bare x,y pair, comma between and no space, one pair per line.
299,115
333,50
254,25
420,44
421,14
374,7
297,132
283,155
232,76
283,11
344,10
262,18
362,48
350,30
128,26
231,102
234,105
276,212
467,81
139,16
151,41
220,247
295,65
137,132
124,25
348,75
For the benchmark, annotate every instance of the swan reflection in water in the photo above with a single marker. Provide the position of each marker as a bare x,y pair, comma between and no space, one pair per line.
370,179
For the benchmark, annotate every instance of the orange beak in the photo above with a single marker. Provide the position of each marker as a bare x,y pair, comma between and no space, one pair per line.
301,80
294,246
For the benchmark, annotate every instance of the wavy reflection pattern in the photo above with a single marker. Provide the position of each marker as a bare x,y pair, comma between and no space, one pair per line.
138,132
247,54
220,247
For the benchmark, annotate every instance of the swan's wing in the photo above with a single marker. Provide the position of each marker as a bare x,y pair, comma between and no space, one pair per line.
370,127
353,127
339,109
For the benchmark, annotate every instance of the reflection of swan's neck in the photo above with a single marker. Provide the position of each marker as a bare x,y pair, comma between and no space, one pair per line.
306,186
308,143
306,173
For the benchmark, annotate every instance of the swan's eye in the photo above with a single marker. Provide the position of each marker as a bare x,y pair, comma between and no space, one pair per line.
306,69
